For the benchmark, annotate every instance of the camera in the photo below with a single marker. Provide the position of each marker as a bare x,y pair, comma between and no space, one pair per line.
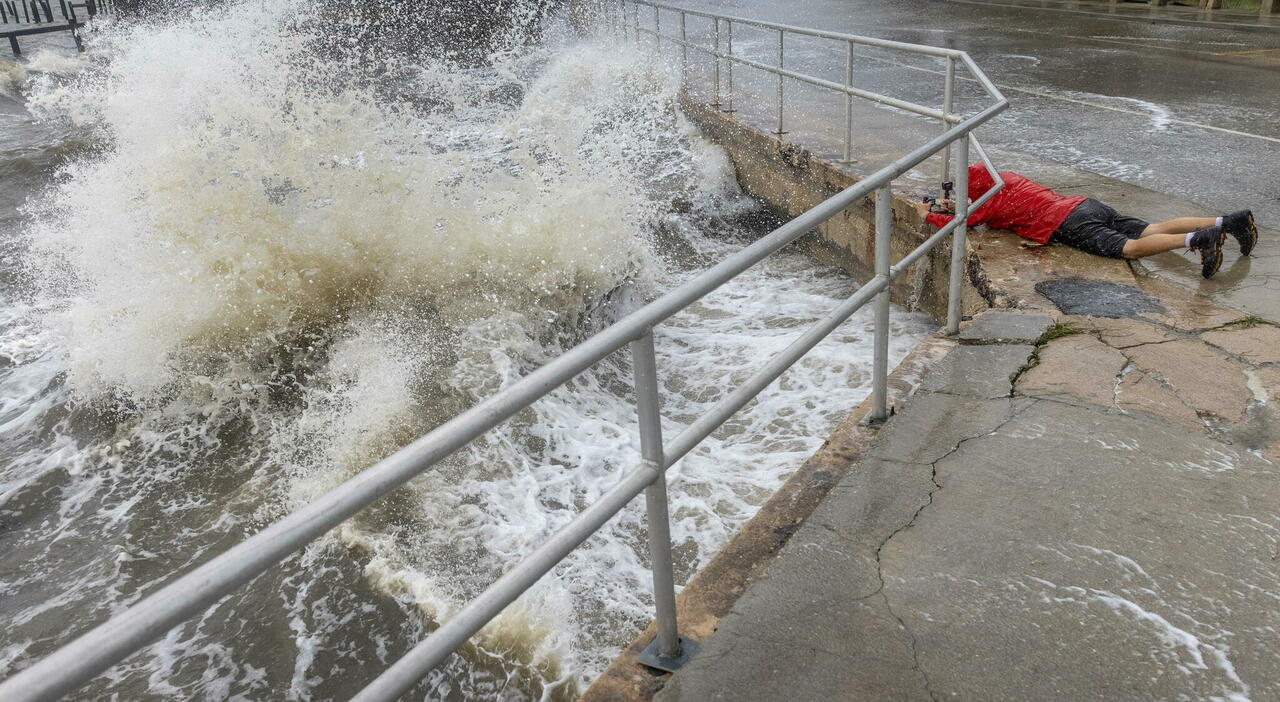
934,205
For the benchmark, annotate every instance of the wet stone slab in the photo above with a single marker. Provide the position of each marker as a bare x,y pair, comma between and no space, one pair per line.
1121,332
1005,328
1198,374
1258,345
984,371
1075,368
1097,298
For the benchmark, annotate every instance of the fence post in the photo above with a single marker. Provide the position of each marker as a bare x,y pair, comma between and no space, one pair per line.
716,56
781,42
948,89
848,102
657,32
668,650
880,349
728,64
958,249
684,50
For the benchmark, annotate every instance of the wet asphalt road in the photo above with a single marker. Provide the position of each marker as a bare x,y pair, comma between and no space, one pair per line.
1153,105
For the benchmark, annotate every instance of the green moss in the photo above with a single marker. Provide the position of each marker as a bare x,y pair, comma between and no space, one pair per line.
1247,323
1058,331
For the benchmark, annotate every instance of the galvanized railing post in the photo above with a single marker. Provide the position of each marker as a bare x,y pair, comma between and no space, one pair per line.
781,65
948,89
848,102
667,651
657,31
729,64
958,246
716,45
880,349
684,49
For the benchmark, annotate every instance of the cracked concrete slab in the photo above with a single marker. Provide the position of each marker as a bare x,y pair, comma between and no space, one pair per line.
1123,332
1005,328
1008,548
1257,345
1123,559
1139,392
983,372
1079,367
1201,376
792,627
931,425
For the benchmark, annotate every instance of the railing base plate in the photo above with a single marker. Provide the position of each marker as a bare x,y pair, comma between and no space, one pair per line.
649,656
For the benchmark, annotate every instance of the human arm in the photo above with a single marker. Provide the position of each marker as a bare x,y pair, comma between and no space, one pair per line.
940,220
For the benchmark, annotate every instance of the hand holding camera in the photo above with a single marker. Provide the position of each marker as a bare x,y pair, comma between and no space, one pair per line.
944,206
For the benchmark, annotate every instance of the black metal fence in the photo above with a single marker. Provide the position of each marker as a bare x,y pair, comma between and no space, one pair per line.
22,18
36,12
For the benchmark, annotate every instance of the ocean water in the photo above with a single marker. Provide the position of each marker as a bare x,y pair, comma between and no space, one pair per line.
243,264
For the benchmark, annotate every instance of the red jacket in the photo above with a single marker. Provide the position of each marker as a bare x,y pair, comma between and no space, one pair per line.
1024,207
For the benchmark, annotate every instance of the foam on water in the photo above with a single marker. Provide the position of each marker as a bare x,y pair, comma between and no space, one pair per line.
278,265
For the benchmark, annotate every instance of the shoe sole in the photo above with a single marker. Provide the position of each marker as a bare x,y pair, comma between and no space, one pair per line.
1217,264
1252,231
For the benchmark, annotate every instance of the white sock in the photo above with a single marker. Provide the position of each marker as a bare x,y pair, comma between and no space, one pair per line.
1217,222
1189,237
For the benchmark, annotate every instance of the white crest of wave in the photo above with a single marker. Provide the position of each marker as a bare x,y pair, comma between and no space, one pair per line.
245,195
254,221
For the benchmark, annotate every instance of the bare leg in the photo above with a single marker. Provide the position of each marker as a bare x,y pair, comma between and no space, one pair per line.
1181,225
1151,244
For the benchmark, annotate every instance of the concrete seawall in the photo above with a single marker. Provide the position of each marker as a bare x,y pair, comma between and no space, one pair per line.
791,179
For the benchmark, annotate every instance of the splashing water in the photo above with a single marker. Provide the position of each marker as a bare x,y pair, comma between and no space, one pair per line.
276,265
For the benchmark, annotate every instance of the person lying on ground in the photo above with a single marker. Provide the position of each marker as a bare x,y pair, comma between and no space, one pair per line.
1035,212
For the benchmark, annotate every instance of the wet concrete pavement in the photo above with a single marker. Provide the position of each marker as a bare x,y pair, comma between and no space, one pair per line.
1052,519
1151,105
1188,15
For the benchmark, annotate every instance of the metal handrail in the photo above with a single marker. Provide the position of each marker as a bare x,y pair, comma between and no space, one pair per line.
944,115
129,631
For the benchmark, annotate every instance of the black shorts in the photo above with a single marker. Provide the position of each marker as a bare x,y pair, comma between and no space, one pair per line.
1095,228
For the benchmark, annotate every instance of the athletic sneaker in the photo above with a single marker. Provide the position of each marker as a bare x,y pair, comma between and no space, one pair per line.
1209,243
1240,225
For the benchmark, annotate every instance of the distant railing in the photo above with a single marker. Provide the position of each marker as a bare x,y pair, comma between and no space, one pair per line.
721,49
41,11
129,631
24,18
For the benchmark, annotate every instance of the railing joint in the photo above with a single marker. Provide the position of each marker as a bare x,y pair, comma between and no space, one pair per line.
651,658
